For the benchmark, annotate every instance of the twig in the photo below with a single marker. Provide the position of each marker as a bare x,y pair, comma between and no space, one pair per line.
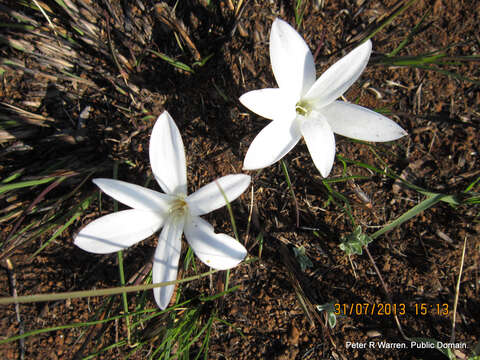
249,221
320,44
141,274
13,286
385,288
457,291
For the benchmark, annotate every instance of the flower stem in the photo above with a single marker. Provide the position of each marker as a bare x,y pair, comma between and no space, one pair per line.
227,279
292,192
124,295
97,292
120,263
234,227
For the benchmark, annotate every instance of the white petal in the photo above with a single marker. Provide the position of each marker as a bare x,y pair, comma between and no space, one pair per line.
339,77
209,197
118,231
135,196
269,103
357,122
271,144
320,142
165,261
292,61
167,156
218,251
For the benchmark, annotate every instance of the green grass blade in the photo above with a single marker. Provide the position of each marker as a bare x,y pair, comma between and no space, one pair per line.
220,294
299,11
409,37
205,344
230,211
197,335
70,326
333,195
106,348
448,73
260,244
77,213
220,92
471,186
451,199
389,19
417,209
99,292
23,184
419,60
173,62
239,332
203,61
12,177
345,179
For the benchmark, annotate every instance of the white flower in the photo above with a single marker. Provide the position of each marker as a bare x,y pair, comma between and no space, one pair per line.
176,211
304,106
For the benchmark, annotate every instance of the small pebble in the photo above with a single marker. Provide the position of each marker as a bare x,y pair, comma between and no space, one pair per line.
373,333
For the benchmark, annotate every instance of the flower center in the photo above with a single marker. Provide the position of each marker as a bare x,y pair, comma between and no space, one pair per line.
302,108
179,207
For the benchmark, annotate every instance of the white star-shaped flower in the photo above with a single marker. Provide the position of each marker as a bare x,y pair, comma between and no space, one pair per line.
173,210
305,106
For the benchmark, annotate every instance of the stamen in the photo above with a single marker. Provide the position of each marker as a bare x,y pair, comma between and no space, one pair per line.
302,109
179,207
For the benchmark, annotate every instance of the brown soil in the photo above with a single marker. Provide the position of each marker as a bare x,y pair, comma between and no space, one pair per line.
419,260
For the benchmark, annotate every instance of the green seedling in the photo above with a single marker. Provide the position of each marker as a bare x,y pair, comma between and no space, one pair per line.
329,308
173,62
353,243
302,258
299,11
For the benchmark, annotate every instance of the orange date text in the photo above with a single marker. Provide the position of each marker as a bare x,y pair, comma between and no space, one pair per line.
376,309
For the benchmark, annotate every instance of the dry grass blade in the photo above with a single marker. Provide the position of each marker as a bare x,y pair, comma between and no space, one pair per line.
457,291
294,276
10,135
386,18
167,16
46,16
17,65
39,198
26,116
18,123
